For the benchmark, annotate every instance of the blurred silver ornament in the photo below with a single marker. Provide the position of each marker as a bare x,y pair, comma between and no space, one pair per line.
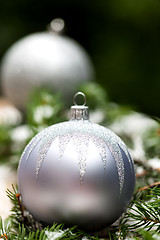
76,172
44,59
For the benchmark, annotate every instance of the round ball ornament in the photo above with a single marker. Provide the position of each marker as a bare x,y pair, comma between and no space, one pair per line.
76,172
47,59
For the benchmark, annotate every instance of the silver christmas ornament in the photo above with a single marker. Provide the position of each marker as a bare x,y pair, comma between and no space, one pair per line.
44,59
76,172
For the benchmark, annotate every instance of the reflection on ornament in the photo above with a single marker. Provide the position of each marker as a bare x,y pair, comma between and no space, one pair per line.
76,172
44,59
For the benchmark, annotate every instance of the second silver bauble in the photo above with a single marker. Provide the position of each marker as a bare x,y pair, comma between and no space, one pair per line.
44,59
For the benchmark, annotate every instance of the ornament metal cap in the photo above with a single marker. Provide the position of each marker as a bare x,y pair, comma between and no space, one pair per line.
79,112
57,25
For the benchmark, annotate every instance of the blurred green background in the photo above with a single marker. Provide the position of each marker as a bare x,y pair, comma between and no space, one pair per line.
121,36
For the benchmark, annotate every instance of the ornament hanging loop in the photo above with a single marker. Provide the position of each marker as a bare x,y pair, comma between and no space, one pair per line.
79,112
57,25
78,94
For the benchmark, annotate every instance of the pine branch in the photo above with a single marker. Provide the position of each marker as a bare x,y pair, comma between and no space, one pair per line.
144,215
141,215
24,226
19,215
3,234
149,186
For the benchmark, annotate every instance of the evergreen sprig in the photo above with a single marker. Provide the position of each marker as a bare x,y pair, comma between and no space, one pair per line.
140,218
141,221
21,225
144,215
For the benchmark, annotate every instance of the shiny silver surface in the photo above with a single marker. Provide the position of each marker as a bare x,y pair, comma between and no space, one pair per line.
44,59
78,173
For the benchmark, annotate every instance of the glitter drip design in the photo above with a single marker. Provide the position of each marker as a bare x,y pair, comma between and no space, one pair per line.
63,142
81,142
80,132
32,144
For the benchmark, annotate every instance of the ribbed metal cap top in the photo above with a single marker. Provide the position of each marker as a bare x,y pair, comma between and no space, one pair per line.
79,112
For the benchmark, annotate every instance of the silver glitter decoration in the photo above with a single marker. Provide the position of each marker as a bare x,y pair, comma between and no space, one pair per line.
44,147
63,142
81,131
119,163
42,153
101,145
32,144
81,142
